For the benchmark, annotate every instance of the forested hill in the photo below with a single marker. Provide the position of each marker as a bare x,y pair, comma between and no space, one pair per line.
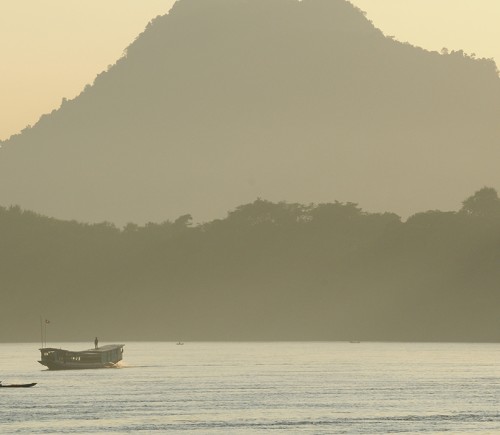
268,271
223,101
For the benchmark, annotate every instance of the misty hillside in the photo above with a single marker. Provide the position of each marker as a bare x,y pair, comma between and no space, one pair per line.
223,101
267,271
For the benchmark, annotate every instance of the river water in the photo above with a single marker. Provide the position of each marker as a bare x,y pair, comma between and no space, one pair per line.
246,388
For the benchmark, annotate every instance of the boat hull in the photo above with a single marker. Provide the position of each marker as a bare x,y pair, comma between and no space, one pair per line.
55,365
18,385
98,358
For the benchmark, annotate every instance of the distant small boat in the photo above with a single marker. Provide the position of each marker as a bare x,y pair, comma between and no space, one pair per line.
179,343
98,358
17,385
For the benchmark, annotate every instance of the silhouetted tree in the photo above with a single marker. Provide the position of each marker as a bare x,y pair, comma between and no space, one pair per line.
261,211
267,271
184,221
484,202
335,213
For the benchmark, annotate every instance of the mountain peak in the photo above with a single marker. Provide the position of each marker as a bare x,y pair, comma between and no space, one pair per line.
222,101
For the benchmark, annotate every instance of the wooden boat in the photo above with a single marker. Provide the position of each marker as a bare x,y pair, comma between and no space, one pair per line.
17,385
98,358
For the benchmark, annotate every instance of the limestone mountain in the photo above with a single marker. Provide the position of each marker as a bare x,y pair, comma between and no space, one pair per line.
222,101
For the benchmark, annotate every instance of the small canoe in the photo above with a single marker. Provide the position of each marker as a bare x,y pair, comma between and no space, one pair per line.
17,385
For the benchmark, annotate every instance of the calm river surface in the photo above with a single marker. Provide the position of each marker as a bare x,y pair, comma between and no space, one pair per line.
245,388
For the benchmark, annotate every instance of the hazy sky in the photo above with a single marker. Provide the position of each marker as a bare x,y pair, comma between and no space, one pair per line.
50,49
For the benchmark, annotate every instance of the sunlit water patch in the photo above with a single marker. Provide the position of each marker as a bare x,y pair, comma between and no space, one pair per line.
212,388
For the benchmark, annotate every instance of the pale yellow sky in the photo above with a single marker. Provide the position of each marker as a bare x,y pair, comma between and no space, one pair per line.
469,25
51,49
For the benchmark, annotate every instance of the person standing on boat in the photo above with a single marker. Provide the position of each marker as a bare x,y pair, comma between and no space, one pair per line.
96,342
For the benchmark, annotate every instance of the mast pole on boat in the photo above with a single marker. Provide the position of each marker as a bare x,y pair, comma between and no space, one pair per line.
41,332
45,331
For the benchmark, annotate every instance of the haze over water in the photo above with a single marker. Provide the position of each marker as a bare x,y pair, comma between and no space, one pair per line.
212,388
274,170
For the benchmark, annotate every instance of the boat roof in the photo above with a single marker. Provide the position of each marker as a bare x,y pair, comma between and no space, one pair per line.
100,349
